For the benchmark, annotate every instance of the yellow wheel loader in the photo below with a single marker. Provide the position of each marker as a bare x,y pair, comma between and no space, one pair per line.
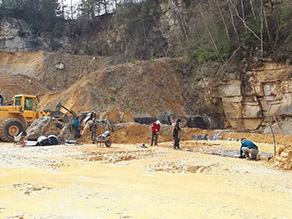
15,118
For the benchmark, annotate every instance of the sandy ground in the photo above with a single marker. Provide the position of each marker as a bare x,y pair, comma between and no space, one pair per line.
127,181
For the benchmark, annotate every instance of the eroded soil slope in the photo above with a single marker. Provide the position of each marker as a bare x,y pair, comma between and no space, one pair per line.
11,85
144,88
56,71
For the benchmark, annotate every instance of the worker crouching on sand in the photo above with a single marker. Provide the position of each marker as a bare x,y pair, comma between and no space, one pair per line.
155,128
248,149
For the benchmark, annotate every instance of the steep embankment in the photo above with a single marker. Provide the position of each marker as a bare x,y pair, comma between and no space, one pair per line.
145,88
11,85
56,71
84,83
24,63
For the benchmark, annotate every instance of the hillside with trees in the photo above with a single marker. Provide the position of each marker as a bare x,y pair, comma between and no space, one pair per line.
223,50
200,30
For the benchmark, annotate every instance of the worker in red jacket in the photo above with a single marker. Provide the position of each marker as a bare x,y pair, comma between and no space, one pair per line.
155,128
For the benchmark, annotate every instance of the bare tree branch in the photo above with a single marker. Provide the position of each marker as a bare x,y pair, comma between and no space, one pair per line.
232,21
252,9
212,39
243,21
223,19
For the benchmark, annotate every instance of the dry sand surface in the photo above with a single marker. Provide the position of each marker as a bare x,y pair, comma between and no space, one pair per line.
128,181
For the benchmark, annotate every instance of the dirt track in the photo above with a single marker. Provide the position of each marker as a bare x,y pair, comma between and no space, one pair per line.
127,181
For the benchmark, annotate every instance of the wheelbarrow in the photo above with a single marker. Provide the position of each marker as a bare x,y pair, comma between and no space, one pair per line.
19,140
104,138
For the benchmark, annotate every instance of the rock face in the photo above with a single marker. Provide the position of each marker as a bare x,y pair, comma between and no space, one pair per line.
250,100
15,35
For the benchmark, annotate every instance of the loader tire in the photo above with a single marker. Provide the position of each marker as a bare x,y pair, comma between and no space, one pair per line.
10,128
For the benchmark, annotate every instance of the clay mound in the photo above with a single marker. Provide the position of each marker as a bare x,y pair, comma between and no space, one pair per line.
113,116
11,85
283,159
131,133
127,117
143,88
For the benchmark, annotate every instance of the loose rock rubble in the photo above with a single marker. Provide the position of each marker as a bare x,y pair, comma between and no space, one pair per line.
27,188
120,156
283,158
177,166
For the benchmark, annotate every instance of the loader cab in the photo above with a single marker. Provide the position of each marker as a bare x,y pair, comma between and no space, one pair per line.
28,105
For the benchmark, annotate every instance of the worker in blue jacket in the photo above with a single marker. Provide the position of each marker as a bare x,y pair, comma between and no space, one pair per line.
76,126
248,149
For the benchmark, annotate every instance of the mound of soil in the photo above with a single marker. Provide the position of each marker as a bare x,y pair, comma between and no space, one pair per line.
113,116
11,85
127,117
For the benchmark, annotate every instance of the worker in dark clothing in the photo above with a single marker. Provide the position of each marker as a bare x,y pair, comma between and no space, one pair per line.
1,100
93,128
248,149
176,134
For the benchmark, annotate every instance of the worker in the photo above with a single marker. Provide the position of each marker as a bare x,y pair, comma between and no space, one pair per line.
176,134
155,128
1,100
76,126
248,149
93,127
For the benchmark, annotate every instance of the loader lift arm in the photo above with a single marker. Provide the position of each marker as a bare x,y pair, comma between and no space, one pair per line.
59,106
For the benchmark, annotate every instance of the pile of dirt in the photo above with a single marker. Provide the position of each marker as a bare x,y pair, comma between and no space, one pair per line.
126,117
131,133
11,85
112,115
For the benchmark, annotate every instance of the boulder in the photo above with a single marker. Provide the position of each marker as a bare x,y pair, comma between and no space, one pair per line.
145,120
283,127
283,158
164,118
286,106
198,122
43,126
